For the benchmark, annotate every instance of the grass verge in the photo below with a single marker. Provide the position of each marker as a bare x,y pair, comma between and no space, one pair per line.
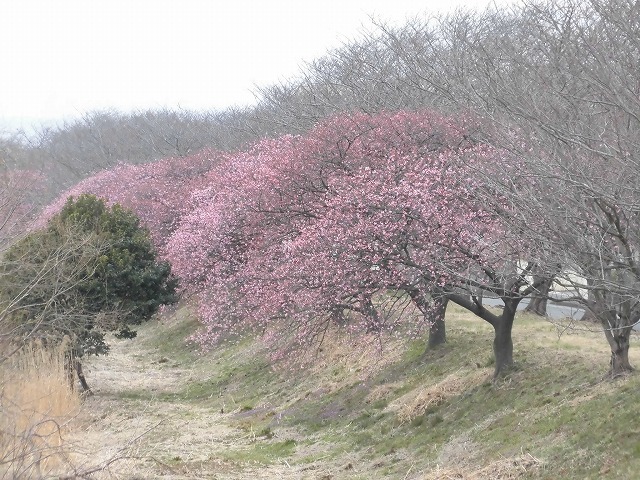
402,412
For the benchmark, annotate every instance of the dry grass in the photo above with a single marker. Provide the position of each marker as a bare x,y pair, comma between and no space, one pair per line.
340,363
418,401
503,469
343,360
36,406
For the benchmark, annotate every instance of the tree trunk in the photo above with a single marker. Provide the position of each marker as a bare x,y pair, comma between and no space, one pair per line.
538,302
437,330
338,317
372,317
502,341
83,381
618,338
433,312
620,357
74,367
502,327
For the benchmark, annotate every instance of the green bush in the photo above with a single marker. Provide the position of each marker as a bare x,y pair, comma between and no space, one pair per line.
93,269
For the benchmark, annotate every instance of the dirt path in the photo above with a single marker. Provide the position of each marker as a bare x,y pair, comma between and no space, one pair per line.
135,427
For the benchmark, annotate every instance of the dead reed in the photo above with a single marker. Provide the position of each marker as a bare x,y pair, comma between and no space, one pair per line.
37,404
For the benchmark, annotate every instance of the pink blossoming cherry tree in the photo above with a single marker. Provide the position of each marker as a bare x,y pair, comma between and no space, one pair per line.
302,231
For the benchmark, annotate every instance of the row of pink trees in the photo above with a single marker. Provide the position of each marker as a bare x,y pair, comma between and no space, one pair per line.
158,192
301,232
295,232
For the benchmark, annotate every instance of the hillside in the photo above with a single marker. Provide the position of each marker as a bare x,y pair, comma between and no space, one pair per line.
166,411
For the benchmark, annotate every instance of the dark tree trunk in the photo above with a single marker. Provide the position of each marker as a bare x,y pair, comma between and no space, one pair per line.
437,330
338,317
502,327
617,325
620,357
503,343
74,367
372,317
433,313
618,338
83,381
539,298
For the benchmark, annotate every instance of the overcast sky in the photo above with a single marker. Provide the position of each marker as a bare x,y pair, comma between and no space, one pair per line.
59,59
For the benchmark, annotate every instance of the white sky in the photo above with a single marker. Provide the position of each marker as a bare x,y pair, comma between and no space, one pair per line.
59,59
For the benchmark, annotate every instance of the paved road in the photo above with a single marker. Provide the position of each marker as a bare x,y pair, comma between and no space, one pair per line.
554,311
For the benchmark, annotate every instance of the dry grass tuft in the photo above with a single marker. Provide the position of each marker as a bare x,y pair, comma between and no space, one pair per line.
348,360
504,469
36,406
382,392
417,402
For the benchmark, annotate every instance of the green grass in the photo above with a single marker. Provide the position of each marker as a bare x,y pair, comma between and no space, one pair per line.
554,416
261,452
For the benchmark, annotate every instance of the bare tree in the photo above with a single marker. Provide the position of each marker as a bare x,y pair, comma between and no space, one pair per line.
78,148
558,84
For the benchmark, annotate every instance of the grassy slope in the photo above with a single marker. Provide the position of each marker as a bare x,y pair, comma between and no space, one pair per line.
413,415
